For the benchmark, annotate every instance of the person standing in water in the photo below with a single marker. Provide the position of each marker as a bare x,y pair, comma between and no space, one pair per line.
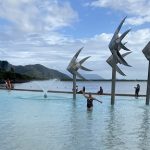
137,90
76,88
9,84
83,89
90,99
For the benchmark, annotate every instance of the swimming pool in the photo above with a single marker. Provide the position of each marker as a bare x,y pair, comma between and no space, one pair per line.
28,121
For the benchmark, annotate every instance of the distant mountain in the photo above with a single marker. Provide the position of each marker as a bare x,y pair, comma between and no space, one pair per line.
93,77
87,76
5,66
40,72
36,71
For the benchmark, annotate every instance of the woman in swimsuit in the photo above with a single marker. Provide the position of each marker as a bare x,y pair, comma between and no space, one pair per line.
90,99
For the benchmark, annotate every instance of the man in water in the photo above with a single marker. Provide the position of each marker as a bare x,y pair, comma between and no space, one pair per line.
90,99
137,90
76,88
83,89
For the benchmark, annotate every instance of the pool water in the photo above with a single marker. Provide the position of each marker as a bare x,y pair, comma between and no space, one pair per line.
30,122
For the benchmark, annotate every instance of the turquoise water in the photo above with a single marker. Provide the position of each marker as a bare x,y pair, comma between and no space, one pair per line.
30,122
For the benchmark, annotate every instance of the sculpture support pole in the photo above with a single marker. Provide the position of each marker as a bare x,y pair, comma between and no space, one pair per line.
113,86
148,86
74,86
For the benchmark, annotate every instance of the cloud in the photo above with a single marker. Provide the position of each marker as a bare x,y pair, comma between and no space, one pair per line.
136,41
57,56
36,16
29,25
138,20
30,34
137,9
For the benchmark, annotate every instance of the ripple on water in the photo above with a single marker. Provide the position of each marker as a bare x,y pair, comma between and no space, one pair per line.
28,121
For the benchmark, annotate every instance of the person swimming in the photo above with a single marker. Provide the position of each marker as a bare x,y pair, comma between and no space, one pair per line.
90,99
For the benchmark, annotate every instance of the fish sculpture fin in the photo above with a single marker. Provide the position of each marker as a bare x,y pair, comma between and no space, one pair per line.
119,71
84,59
77,54
121,60
84,68
124,47
120,25
124,34
125,54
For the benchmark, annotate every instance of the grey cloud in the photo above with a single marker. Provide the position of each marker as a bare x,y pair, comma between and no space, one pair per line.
138,9
31,16
49,50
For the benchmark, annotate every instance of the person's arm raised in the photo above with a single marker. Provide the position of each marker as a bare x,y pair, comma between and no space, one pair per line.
85,95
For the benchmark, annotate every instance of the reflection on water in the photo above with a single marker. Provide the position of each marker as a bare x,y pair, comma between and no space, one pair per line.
40,97
144,130
28,121
114,130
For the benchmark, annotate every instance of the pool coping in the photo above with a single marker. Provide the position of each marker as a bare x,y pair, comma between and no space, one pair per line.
69,92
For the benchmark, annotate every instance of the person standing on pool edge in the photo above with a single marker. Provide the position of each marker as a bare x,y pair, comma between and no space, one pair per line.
90,99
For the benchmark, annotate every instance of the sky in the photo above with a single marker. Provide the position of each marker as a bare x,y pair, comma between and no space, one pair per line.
50,32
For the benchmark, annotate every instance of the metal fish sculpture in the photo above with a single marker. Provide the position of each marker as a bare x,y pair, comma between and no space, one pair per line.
146,51
110,62
75,65
116,44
